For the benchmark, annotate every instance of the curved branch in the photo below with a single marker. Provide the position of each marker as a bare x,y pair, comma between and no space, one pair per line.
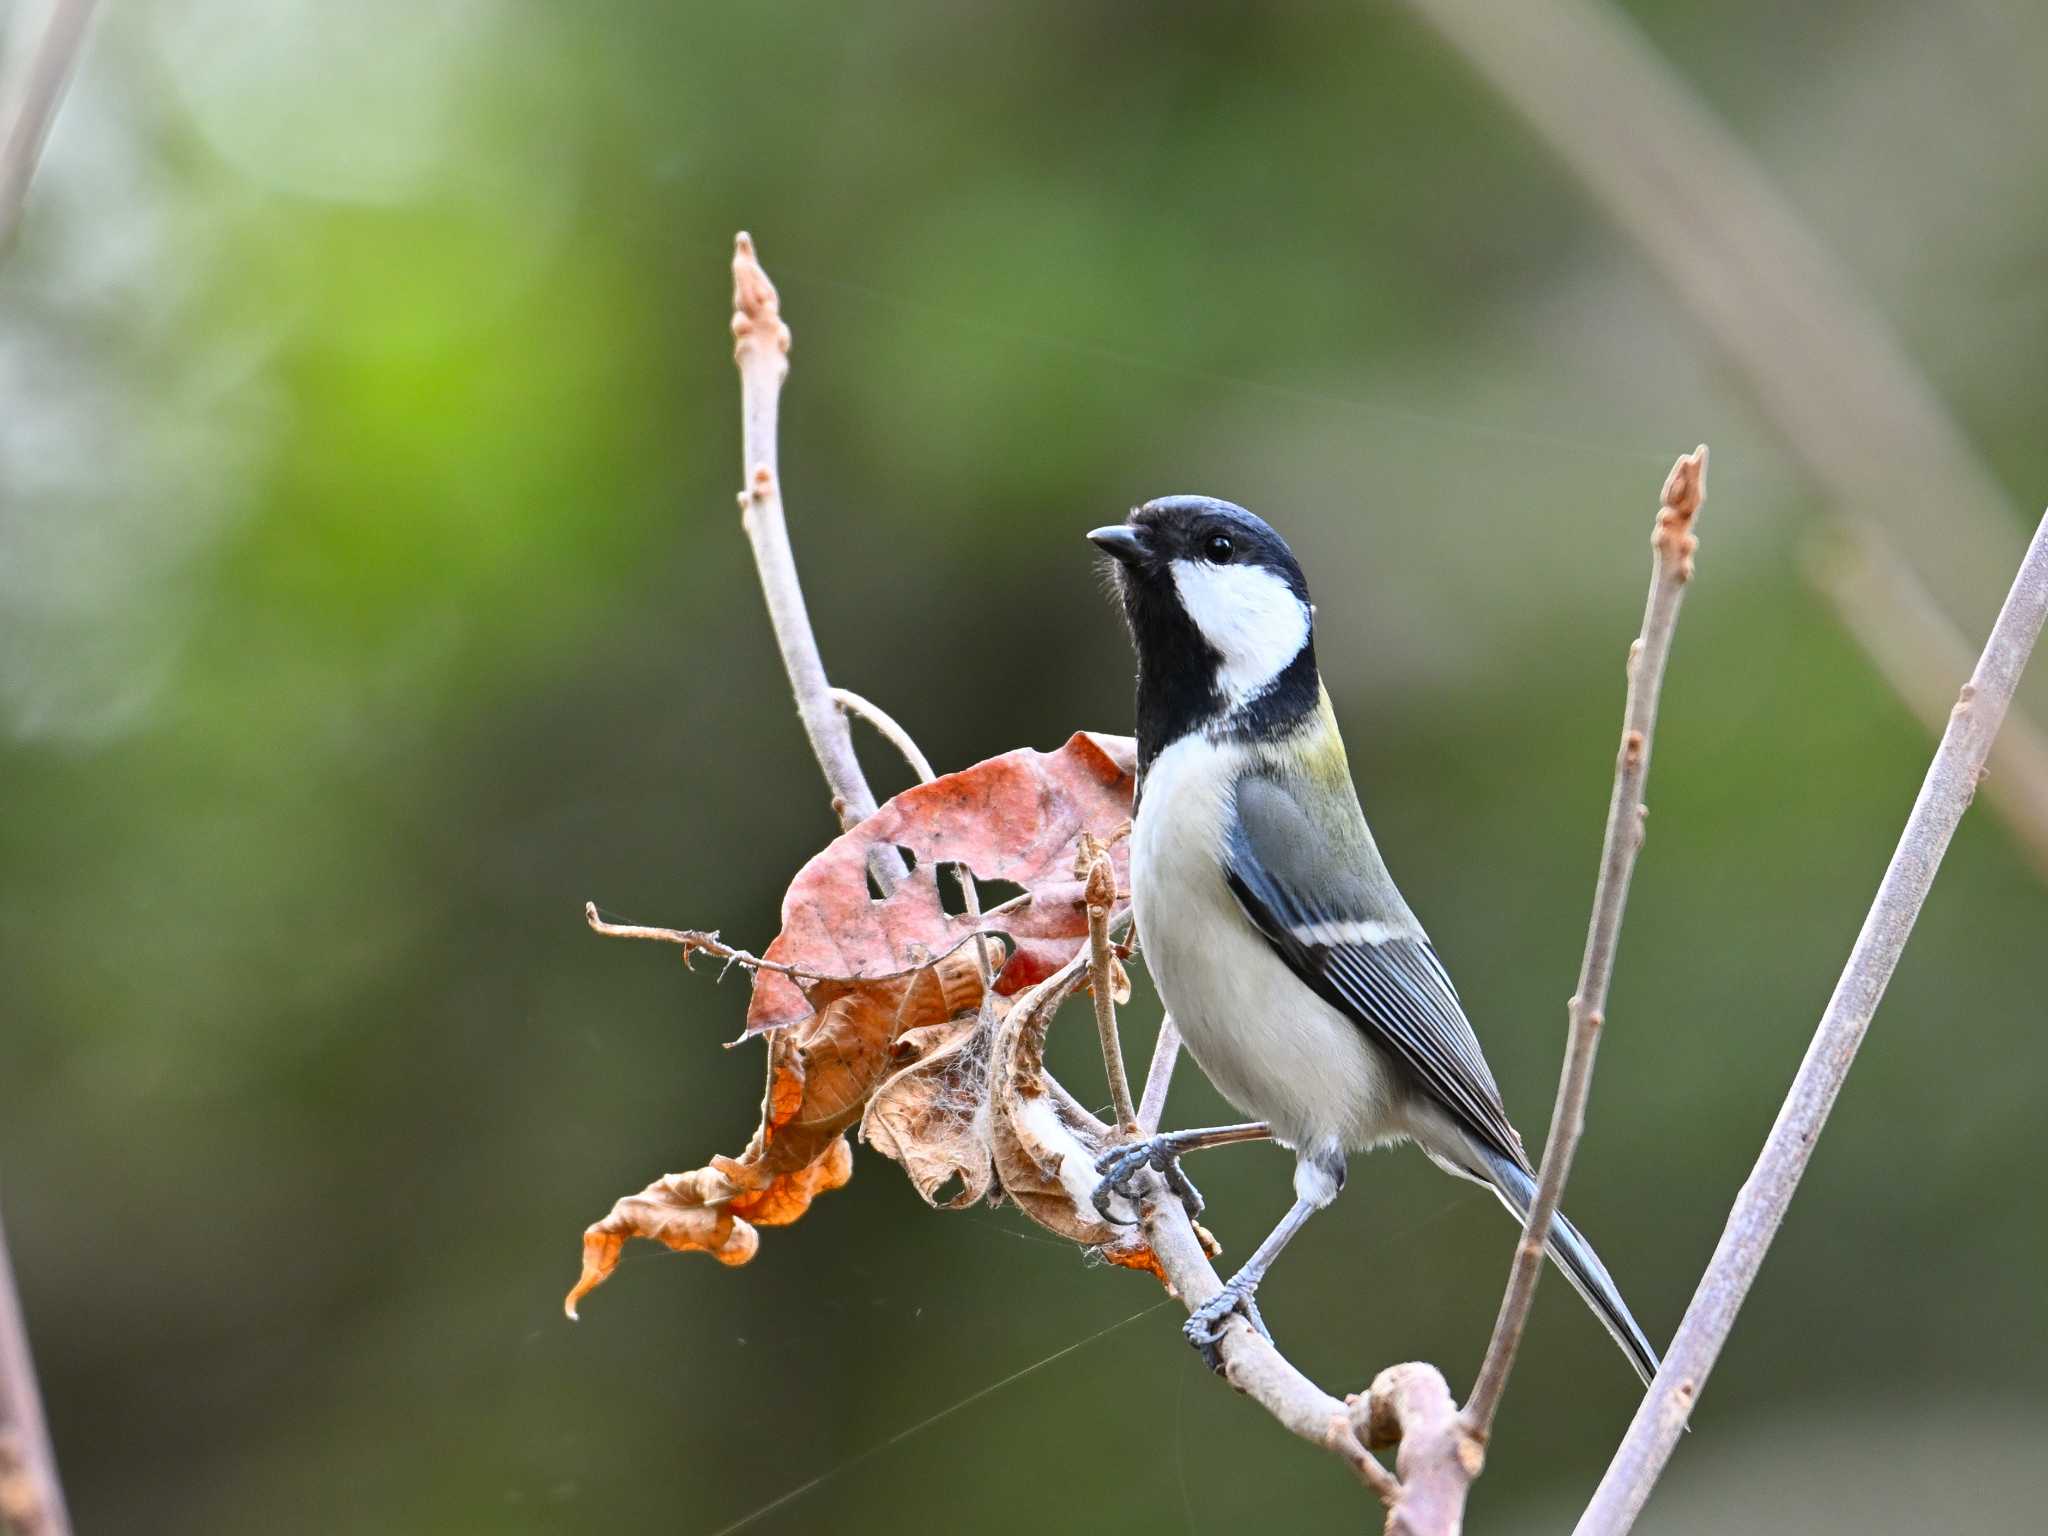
1784,310
1672,546
1251,1363
761,349
890,731
1759,1209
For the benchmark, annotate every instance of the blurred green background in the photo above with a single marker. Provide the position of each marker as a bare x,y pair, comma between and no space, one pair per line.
372,595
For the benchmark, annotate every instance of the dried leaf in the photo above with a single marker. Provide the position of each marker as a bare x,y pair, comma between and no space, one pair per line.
821,1075
1044,1144
928,1115
1018,818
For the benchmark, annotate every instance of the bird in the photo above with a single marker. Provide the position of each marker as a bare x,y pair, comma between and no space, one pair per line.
1301,981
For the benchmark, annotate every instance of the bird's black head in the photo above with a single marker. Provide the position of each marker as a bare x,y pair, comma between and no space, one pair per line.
1220,615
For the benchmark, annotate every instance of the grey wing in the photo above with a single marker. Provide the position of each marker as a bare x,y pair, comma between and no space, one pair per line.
1323,899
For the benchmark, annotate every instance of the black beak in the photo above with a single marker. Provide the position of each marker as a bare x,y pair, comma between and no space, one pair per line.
1120,540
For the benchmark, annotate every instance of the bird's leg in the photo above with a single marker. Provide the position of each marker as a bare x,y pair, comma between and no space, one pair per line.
1317,1179
1121,1165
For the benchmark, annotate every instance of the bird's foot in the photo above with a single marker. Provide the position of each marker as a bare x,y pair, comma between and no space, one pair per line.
1120,1167
1206,1324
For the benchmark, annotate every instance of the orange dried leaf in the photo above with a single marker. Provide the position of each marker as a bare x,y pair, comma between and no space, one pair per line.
1018,818
821,1075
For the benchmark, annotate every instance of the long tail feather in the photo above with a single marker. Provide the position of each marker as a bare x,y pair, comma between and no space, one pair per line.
1581,1265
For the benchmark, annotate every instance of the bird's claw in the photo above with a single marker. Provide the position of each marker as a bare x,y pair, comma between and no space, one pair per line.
1205,1326
1120,1167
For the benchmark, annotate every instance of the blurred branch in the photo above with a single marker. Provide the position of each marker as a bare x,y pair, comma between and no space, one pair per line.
43,80
1819,358
31,1497
1672,545
761,348
1759,1208
1921,654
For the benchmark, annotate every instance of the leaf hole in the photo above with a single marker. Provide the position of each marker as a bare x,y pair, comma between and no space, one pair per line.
994,893
875,891
990,893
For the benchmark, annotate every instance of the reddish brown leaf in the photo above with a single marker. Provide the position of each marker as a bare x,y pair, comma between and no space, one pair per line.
1018,818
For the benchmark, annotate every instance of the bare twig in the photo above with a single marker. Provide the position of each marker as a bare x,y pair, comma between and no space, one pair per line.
694,941
1251,1363
1760,1206
42,88
761,348
1159,1076
31,1497
1672,545
1921,654
1102,978
890,731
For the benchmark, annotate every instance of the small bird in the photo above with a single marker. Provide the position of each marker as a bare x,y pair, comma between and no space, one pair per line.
1300,980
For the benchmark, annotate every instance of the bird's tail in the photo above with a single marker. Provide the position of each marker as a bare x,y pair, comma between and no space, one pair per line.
1516,1187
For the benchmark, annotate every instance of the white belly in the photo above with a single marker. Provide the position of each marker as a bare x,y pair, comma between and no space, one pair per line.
1270,1045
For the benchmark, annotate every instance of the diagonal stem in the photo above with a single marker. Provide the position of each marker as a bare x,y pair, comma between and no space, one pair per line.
1759,1208
1672,544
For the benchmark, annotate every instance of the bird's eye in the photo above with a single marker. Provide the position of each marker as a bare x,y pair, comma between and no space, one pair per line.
1217,549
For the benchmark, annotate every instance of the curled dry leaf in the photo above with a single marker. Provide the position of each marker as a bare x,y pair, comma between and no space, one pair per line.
1043,1142
927,1116
1018,818
821,1075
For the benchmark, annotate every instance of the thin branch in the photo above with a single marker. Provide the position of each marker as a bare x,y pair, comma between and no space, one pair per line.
42,90
1759,1208
891,732
1102,977
1159,1076
31,1497
1251,1363
761,348
695,941
1672,546
1920,654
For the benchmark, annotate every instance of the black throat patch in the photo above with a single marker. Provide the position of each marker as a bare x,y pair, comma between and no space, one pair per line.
1177,691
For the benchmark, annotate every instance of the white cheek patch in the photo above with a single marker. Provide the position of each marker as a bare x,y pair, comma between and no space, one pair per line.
1251,617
